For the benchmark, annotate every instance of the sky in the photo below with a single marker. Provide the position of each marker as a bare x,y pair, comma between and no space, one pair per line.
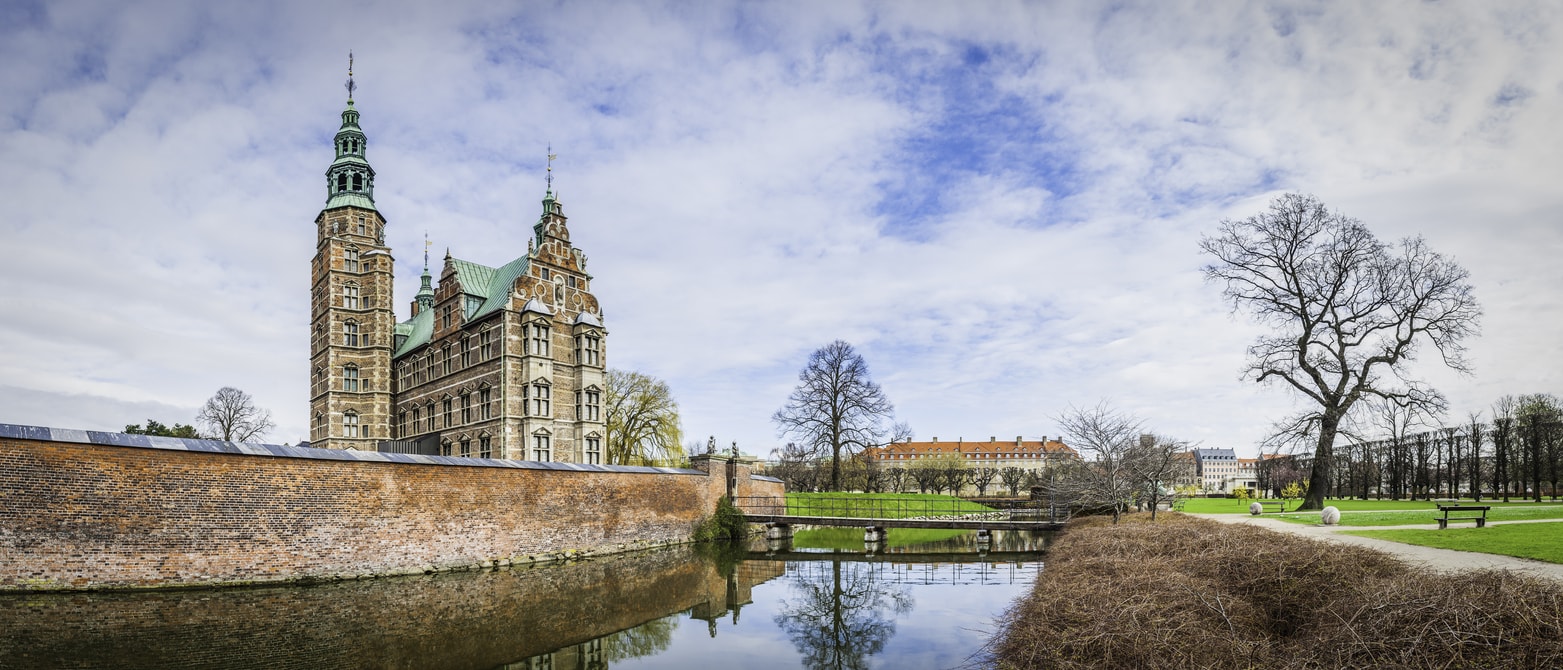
998,204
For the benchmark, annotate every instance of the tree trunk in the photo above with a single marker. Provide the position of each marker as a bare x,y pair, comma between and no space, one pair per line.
1323,457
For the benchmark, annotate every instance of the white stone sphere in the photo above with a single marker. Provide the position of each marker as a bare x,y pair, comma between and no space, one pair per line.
1256,508
1330,516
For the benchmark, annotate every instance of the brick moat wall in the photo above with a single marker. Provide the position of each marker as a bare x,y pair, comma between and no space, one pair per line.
77,515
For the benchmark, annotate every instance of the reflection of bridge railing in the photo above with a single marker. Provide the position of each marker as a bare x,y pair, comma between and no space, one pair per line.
896,512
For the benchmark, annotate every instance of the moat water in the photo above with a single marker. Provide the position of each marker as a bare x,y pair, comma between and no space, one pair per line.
926,600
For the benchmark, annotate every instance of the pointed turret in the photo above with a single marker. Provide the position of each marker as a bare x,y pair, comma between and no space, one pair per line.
425,298
350,180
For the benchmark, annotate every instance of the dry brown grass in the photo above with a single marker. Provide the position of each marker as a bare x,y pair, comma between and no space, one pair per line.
1190,593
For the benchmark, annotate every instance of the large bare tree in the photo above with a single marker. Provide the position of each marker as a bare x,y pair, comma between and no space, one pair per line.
1157,462
641,419
1104,477
231,414
837,409
1348,314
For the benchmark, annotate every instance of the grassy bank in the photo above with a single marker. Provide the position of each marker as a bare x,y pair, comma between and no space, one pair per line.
1540,541
879,505
1426,515
1191,593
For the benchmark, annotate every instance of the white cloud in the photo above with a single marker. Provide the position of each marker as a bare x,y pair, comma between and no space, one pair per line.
999,204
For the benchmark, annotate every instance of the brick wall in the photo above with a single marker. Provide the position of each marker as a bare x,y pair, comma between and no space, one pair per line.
161,512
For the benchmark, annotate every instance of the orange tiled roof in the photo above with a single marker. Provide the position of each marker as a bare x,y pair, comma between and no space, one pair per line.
1010,449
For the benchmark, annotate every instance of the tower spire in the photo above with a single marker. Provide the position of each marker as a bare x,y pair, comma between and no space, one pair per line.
551,157
350,85
425,296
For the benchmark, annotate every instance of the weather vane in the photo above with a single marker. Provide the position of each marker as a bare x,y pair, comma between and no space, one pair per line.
426,245
551,158
350,85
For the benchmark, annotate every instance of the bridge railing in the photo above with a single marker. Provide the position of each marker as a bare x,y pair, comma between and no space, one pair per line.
859,507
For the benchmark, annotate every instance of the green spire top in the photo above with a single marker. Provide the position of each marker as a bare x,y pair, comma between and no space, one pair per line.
425,297
350,180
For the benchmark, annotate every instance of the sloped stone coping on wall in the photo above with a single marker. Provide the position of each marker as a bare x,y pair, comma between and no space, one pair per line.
104,438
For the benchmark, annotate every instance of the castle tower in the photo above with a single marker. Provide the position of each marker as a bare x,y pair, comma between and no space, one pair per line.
352,319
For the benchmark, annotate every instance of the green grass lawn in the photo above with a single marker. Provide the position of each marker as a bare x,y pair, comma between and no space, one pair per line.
851,539
1425,515
879,505
1235,506
1541,541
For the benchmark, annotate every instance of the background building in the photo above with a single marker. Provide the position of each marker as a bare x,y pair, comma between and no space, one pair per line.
1021,453
495,362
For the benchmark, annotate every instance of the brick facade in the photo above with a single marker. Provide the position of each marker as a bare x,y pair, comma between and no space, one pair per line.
79,515
526,336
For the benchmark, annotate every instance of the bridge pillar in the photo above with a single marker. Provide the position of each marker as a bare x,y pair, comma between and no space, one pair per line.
873,534
984,540
778,531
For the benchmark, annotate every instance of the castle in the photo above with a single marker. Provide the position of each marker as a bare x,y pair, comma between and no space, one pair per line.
495,362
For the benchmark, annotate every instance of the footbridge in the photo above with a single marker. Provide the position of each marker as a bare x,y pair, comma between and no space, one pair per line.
876,515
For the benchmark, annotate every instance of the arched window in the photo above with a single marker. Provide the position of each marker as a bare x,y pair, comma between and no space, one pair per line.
358,182
350,424
341,182
350,378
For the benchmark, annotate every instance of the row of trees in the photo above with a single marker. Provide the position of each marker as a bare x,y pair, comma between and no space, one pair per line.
946,473
1519,453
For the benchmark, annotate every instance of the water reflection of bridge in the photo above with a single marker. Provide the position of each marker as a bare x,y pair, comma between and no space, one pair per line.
897,569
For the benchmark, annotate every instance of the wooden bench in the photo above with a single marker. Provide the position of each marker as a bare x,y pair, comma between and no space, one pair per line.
1479,515
1280,505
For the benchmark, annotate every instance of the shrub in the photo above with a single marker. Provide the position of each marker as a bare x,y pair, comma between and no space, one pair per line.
1190,593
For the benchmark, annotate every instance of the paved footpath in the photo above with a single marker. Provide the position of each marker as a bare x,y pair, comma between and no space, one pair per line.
1445,560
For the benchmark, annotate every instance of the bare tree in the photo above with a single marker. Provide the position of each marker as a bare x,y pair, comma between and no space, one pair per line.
982,478
1348,311
1105,479
837,409
1474,435
1503,447
231,414
641,419
1012,477
1155,464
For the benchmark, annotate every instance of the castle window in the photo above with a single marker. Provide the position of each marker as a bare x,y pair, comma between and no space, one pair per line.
417,415
543,272
350,425
350,258
484,450
350,296
569,281
445,448
428,367
449,407
541,450
594,450
485,410
466,352
445,360
430,409
341,182
486,345
350,378
350,333
466,408
362,229
539,339
588,349
588,405
540,397
401,423
358,182
466,448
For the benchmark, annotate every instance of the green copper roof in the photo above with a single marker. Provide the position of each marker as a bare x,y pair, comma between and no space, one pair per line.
492,285
349,199
419,329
